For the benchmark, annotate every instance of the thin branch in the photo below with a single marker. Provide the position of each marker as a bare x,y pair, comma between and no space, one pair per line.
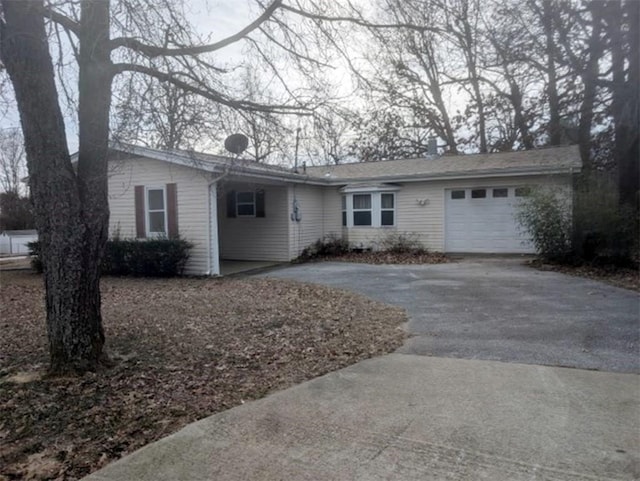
210,94
358,21
152,51
66,22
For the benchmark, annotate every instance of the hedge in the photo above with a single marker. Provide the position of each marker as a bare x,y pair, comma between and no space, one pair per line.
140,258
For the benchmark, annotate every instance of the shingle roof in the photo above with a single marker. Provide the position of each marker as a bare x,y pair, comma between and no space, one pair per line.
547,160
551,160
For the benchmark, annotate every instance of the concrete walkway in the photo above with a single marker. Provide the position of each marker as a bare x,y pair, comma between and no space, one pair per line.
410,417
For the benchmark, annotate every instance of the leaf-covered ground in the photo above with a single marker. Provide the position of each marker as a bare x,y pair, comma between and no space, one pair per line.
619,277
184,349
384,257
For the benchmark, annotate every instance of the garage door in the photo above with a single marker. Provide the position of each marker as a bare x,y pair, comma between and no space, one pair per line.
482,220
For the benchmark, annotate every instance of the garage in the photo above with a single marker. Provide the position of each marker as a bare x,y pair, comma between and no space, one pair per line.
481,220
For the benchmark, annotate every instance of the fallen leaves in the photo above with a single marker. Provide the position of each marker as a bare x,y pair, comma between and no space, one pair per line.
183,349
619,277
385,257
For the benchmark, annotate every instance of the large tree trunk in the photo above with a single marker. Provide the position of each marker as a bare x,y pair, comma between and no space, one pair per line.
554,128
71,209
624,105
590,81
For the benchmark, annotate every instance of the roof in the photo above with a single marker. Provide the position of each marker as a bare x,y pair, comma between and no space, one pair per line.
17,233
549,160
214,163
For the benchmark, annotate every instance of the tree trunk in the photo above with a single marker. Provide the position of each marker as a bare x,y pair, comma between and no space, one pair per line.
70,218
590,80
624,105
554,129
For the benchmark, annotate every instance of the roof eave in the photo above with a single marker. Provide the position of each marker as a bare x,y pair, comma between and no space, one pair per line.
456,175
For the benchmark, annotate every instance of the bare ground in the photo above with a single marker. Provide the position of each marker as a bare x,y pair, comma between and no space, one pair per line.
184,349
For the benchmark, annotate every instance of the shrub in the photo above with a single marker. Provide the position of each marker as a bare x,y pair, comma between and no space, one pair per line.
130,257
604,232
34,252
402,243
545,214
329,245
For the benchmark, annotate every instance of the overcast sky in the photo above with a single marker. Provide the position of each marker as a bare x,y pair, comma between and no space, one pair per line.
216,19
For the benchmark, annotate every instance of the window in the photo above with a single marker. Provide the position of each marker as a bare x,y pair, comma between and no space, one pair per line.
457,194
478,193
370,209
522,191
500,192
387,209
156,212
245,204
362,209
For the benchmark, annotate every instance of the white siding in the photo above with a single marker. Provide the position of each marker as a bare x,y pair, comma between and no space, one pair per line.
193,210
427,221
255,238
311,227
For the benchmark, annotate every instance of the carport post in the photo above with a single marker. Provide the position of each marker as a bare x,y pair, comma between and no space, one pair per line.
214,254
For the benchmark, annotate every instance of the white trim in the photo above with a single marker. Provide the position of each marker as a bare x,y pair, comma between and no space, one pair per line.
376,210
365,189
147,211
214,251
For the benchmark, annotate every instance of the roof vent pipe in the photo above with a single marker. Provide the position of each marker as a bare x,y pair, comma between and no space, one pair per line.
432,146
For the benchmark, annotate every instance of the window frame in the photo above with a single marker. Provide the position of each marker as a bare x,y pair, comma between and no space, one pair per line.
387,209
252,203
369,210
375,209
148,211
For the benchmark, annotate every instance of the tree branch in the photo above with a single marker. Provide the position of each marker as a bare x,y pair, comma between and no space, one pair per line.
359,21
152,51
63,20
208,93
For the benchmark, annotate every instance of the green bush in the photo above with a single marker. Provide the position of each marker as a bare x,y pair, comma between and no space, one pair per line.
142,258
402,243
329,245
545,214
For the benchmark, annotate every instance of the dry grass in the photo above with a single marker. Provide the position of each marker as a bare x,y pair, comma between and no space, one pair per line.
185,348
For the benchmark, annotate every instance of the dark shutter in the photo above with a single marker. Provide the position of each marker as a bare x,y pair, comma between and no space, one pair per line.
172,211
259,203
231,203
141,232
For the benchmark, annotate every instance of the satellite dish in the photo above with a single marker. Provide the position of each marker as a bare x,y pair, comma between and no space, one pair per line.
236,143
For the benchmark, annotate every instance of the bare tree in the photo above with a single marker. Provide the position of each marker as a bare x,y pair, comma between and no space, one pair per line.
71,205
12,161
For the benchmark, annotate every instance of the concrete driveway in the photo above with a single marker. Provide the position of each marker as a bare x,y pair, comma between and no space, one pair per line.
498,309
415,417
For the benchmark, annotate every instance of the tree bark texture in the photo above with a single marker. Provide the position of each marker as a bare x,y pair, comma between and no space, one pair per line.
71,209
624,106
554,128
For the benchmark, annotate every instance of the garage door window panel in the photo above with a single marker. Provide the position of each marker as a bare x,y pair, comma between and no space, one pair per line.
500,193
479,193
457,194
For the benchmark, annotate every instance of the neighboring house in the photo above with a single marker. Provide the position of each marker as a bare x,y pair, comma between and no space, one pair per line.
14,242
242,210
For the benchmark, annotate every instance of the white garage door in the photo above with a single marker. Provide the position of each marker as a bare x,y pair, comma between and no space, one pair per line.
482,220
